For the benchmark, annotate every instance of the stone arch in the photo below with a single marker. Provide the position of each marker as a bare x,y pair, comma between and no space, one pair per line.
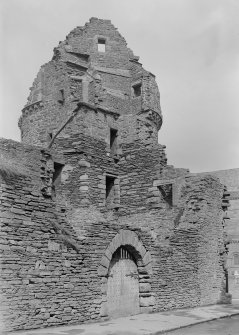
130,240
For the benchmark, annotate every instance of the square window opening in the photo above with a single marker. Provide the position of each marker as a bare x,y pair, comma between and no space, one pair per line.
113,141
101,45
137,90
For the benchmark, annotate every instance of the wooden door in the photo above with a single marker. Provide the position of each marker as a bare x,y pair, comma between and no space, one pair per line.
123,285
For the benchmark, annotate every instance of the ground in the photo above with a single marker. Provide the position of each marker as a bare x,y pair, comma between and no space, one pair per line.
225,326
226,322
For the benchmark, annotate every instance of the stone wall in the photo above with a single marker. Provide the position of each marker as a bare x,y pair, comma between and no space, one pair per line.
54,253
230,178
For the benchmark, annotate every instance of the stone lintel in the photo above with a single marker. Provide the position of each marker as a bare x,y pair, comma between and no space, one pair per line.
117,72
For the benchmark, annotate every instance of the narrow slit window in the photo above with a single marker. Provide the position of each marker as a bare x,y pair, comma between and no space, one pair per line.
61,96
56,179
110,190
113,141
49,137
101,45
137,90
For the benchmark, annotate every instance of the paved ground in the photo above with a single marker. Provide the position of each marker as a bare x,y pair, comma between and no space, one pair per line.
225,326
143,324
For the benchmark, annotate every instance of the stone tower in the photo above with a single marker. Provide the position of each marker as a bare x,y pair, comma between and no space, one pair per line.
95,67
95,99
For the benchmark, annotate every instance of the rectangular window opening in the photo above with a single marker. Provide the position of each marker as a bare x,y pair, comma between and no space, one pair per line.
101,45
110,190
236,259
61,96
113,141
49,137
137,90
56,179
166,194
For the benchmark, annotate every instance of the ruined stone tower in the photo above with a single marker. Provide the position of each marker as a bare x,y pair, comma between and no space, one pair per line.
96,96
95,223
93,66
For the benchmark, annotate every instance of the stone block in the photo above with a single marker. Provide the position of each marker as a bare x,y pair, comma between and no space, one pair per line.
84,188
53,246
103,288
69,286
147,258
66,317
108,254
4,247
31,250
84,163
153,200
116,182
126,236
101,186
149,269
40,265
102,271
67,263
67,309
146,301
105,262
104,310
152,189
144,287
141,249
115,244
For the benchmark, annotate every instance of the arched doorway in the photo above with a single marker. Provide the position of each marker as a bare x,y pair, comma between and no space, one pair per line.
123,284
126,266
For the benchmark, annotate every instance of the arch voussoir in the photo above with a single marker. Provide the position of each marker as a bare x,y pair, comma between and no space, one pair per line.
105,261
147,258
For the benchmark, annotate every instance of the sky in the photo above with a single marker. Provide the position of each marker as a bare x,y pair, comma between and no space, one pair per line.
192,46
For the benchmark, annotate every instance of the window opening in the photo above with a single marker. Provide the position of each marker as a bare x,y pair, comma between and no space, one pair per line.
56,179
166,194
101,45
113,141
137,90
236,259
61,96
110,190
49,137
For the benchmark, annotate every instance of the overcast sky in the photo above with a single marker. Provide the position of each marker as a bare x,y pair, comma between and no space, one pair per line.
192,46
